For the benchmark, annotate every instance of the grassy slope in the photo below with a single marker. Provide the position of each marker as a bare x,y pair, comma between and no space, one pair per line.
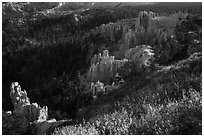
167,102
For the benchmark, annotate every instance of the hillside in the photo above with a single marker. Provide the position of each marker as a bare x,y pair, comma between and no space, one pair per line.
167,102
102,68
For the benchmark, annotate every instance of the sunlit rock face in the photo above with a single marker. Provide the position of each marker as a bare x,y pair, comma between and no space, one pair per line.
114,31
152,20
22,107
147,29
24,114
19,98
142,55
97,87
27,117
103,68
146,19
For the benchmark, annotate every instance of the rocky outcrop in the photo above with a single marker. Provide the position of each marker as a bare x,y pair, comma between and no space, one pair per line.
103,68
114,30
146,19
147,29
152,20
26,118
97,87
142,55
32,112
154,30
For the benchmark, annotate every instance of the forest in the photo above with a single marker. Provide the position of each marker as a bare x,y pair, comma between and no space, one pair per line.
107,70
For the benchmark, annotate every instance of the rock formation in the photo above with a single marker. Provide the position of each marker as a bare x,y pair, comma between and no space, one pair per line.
151,20
97,87
131,43
32,112
147,19
103,68
27,118
145,30
140,54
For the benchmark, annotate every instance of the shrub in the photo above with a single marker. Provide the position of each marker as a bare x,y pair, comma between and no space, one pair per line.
81,129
